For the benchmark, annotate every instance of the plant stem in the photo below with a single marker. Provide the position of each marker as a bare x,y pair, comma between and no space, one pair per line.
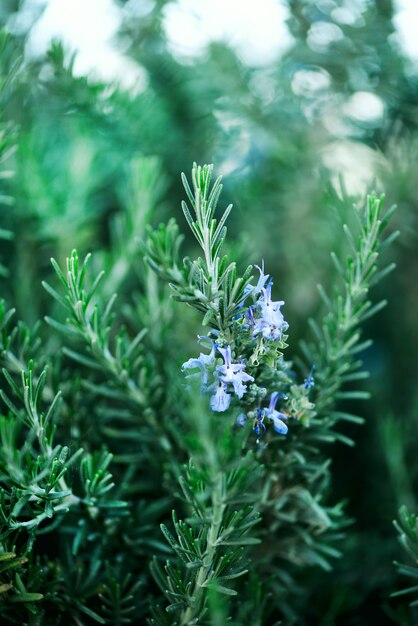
218,508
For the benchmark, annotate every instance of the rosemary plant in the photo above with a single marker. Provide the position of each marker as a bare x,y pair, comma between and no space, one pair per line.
274,421
174,438
100,437
407,528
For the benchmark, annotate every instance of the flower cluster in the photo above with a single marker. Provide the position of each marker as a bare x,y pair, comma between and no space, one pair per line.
269,414
257,336
225,376
264,316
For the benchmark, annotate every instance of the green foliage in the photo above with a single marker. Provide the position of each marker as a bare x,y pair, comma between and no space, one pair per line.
297,524
210,544
407,528
337,341
209,284
9,69
93,327
236,493
101,435
36,496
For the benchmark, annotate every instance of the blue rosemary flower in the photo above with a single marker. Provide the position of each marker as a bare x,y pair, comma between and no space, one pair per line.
221,400
250,289
259,426
310,381
271,322
202,362
276,417
241,419
262,279
250,315
233,372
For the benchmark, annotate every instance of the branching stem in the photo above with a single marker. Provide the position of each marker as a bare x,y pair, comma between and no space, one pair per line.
218,508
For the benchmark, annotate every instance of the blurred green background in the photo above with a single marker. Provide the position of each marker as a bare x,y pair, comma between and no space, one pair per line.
300,136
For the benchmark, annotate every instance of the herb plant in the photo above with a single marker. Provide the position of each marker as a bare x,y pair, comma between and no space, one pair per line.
135,489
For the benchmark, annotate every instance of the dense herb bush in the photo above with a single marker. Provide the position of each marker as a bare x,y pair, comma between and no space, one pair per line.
146,475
